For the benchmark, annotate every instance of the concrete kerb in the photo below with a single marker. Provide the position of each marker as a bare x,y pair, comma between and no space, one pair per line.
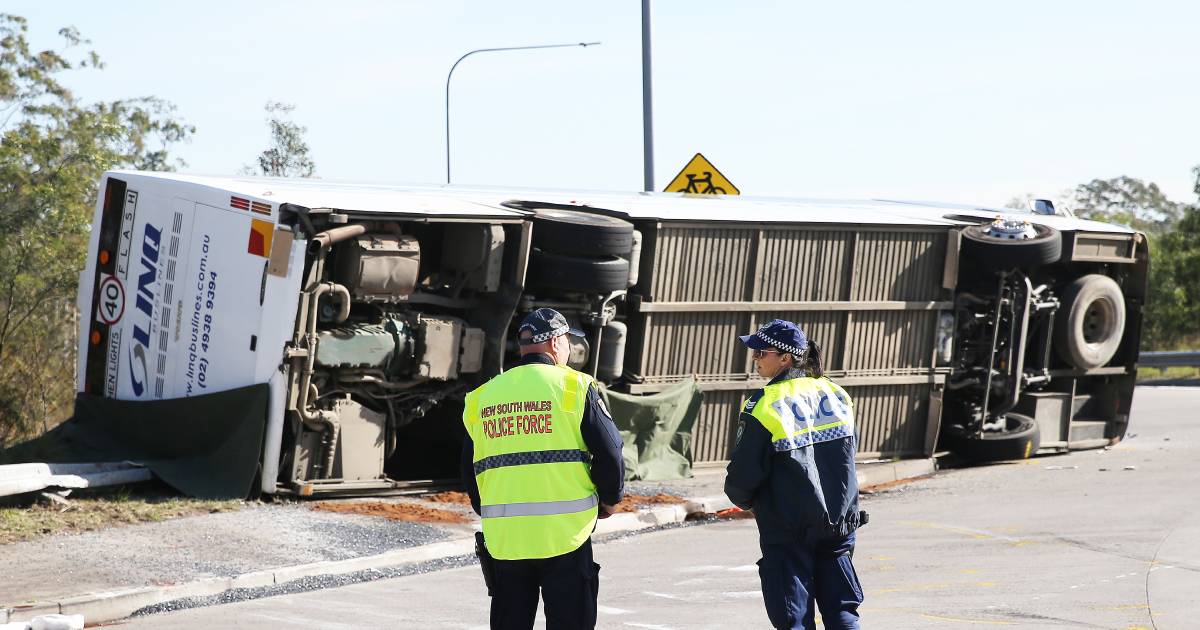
885,472
118,604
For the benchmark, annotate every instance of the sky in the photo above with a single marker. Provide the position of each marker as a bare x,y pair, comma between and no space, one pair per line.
951,101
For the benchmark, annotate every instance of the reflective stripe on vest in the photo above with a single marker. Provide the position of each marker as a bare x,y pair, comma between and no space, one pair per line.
536,494
803,411
545,508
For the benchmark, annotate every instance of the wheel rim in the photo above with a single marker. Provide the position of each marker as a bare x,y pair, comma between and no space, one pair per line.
1011,229
1098,322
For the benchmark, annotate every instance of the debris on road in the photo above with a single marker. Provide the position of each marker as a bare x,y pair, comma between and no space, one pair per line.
394,511
456,498
734,513
632,502
22,478
1130,467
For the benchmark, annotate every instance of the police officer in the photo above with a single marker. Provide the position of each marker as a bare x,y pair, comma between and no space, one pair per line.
793,464
541,463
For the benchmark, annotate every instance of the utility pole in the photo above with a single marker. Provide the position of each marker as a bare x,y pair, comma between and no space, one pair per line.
647,105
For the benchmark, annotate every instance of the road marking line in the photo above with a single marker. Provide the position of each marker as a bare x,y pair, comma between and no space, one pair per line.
662,595
745,568
706,568
743,594
960,620
609,610
978,534
911,589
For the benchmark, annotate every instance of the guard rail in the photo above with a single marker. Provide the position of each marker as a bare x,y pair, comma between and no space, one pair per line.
1184,358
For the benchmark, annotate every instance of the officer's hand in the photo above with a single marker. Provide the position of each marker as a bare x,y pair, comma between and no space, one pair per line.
606,510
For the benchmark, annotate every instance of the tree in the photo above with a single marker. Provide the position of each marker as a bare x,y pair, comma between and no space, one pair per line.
288,154
1128,201
53,150
1173,315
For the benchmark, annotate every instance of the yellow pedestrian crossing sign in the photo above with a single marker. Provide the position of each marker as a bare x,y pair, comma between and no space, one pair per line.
701,177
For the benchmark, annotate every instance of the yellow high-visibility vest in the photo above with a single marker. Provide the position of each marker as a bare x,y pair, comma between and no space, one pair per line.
535,487
803,411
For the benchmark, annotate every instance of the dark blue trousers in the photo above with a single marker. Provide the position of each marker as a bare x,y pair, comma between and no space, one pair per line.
818,570
568,585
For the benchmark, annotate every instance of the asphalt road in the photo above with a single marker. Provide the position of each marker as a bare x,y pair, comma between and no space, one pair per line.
1094,539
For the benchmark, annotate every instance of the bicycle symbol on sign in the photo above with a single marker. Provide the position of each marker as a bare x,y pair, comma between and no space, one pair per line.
708,189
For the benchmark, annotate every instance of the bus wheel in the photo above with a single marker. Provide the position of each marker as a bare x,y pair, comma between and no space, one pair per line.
1007,244
581,233
548,270
1092,321
1019,440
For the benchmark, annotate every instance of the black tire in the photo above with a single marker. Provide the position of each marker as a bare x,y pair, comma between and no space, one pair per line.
995,253
1090,322
581,233
1020,440
549,270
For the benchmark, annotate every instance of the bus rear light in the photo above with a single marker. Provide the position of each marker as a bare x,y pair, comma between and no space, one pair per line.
104,257
95,338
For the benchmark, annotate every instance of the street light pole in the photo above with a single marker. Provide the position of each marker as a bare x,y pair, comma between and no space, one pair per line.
450,74
647,104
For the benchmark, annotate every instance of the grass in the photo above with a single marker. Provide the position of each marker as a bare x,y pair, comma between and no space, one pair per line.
1151,374
122,505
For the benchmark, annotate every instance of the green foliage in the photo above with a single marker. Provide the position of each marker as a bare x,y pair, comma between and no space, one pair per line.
53,150
288,154
1173,314
1127,201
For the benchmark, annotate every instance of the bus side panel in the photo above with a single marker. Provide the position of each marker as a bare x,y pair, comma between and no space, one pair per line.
218,301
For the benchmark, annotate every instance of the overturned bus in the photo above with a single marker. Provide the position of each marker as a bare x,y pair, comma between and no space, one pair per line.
366,312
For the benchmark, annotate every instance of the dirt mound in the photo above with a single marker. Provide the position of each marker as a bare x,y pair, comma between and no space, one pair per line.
632,502
456,498
393,511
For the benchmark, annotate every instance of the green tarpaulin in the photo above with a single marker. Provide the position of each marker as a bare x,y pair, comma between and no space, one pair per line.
204,446
657,430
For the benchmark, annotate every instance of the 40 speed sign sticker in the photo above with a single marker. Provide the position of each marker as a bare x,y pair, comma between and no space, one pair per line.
112,301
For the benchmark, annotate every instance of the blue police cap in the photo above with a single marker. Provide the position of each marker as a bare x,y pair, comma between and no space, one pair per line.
779,334
543,325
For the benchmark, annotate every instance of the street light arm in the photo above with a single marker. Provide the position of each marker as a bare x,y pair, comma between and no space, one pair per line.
450,75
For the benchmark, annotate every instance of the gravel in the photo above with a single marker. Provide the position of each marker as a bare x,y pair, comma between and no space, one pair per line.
186,549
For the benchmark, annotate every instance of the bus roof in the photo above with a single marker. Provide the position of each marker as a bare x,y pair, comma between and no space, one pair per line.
504,202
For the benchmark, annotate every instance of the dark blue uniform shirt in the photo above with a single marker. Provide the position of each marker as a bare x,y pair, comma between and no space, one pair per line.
600,436
792,491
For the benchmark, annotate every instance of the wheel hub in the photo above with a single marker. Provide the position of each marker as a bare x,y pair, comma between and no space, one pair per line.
1097,321
1012,229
